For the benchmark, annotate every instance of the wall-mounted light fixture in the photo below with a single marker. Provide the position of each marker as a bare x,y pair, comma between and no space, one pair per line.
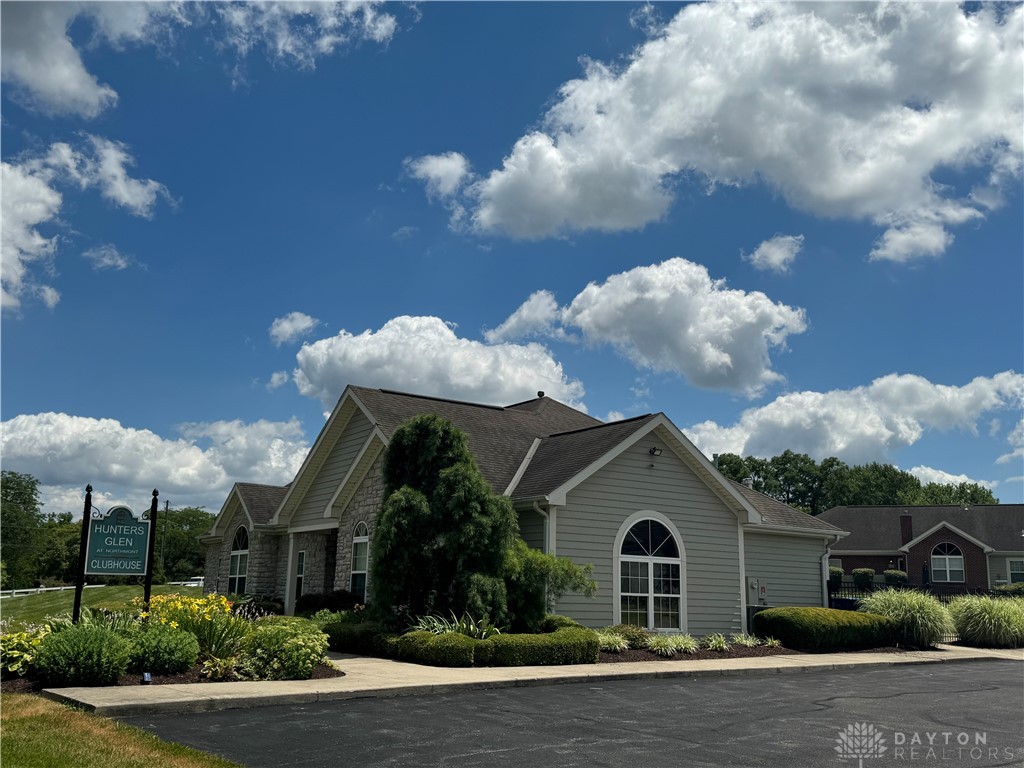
655,451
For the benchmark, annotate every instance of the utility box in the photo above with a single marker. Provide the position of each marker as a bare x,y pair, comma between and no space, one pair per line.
757,592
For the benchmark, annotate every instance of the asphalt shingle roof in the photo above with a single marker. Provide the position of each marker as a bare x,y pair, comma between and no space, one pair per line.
499,437
878,528
776,512
262,501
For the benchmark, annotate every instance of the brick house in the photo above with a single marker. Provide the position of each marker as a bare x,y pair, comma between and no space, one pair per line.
950,548
674,544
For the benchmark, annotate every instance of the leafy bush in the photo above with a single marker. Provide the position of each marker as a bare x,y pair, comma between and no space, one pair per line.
895,577
835,576
637,637
716,642
355,637
336,601
824,629
745,640
555,621
611,642
466,625
670,645
534,581
439,650
921,619
82,655
1010,590
282,650
163,650
863,578
570,645
325,616
18,649
989,621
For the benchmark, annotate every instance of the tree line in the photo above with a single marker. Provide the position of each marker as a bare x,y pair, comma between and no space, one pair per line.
800,481
41,549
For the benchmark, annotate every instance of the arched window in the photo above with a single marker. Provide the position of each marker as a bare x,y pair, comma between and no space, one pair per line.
650,577
239,566
360,560
947,562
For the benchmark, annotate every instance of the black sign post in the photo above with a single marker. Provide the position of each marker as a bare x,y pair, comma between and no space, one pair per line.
153,511
82,547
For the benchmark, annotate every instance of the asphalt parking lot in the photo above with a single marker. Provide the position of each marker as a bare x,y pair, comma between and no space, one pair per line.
949,715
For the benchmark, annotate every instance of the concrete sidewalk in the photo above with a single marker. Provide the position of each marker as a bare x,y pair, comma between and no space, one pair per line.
379,678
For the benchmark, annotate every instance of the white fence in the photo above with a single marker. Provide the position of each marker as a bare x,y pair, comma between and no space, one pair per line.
40,590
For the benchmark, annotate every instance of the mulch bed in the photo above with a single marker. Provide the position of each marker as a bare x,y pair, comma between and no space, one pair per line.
194,675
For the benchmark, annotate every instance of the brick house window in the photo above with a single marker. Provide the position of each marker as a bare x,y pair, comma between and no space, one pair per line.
239,565
947,563
1016,569
300,572
360,560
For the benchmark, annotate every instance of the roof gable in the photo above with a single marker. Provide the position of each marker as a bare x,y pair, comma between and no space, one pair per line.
953,529
999,526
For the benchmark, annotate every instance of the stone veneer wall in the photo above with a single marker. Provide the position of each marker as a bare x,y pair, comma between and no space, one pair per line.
264,554
363,507
315,546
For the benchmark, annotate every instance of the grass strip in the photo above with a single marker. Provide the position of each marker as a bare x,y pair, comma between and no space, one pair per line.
32,609
39,733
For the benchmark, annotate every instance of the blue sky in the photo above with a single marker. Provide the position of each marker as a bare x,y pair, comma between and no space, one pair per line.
785,226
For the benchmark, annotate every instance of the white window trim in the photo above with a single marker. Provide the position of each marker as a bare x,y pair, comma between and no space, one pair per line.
231,561
629,522
946,562
1010,570
352,569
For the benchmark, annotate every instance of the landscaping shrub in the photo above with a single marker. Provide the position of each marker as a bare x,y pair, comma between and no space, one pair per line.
611,642
355,637
863,578
18,649
989,621
824,629
895,577
286,649
670,645
1009,590
338,600
555,621
82,655
637,637
535,580
921,619
124,623
323,617
745,640
163,650
835,577
569,645
447,650
716,642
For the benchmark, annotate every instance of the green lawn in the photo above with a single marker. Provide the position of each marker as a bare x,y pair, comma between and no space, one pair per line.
44,734
31,609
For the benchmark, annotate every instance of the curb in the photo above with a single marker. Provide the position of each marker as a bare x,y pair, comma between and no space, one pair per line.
215,702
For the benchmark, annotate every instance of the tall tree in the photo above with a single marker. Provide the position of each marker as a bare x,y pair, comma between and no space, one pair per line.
442,536
955,493
732,466
20,523
61,537
178,550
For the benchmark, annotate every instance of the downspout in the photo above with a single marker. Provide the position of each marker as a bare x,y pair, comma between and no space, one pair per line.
824,572
547,525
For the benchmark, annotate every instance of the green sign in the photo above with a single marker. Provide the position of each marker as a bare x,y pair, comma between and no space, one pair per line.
118,544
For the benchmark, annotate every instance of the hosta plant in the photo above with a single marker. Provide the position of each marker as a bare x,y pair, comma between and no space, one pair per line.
17,649
747,641
611,642
716,642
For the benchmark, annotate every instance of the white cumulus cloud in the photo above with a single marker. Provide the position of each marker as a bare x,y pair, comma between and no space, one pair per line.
68,452
862,424
844,109
277,380
424,355
291,327
443,175
777,253
674,317
931,475
1016,441
107,257
31,200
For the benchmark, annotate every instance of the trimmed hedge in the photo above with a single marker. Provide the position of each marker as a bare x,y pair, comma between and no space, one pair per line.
569,645
895,577
350,637
339,600
835,576
447,650
555,621
824,629
863,577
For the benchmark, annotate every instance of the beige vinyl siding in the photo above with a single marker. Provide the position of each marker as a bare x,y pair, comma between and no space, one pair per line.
311,508
531,528
999,568
595,510
790,565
